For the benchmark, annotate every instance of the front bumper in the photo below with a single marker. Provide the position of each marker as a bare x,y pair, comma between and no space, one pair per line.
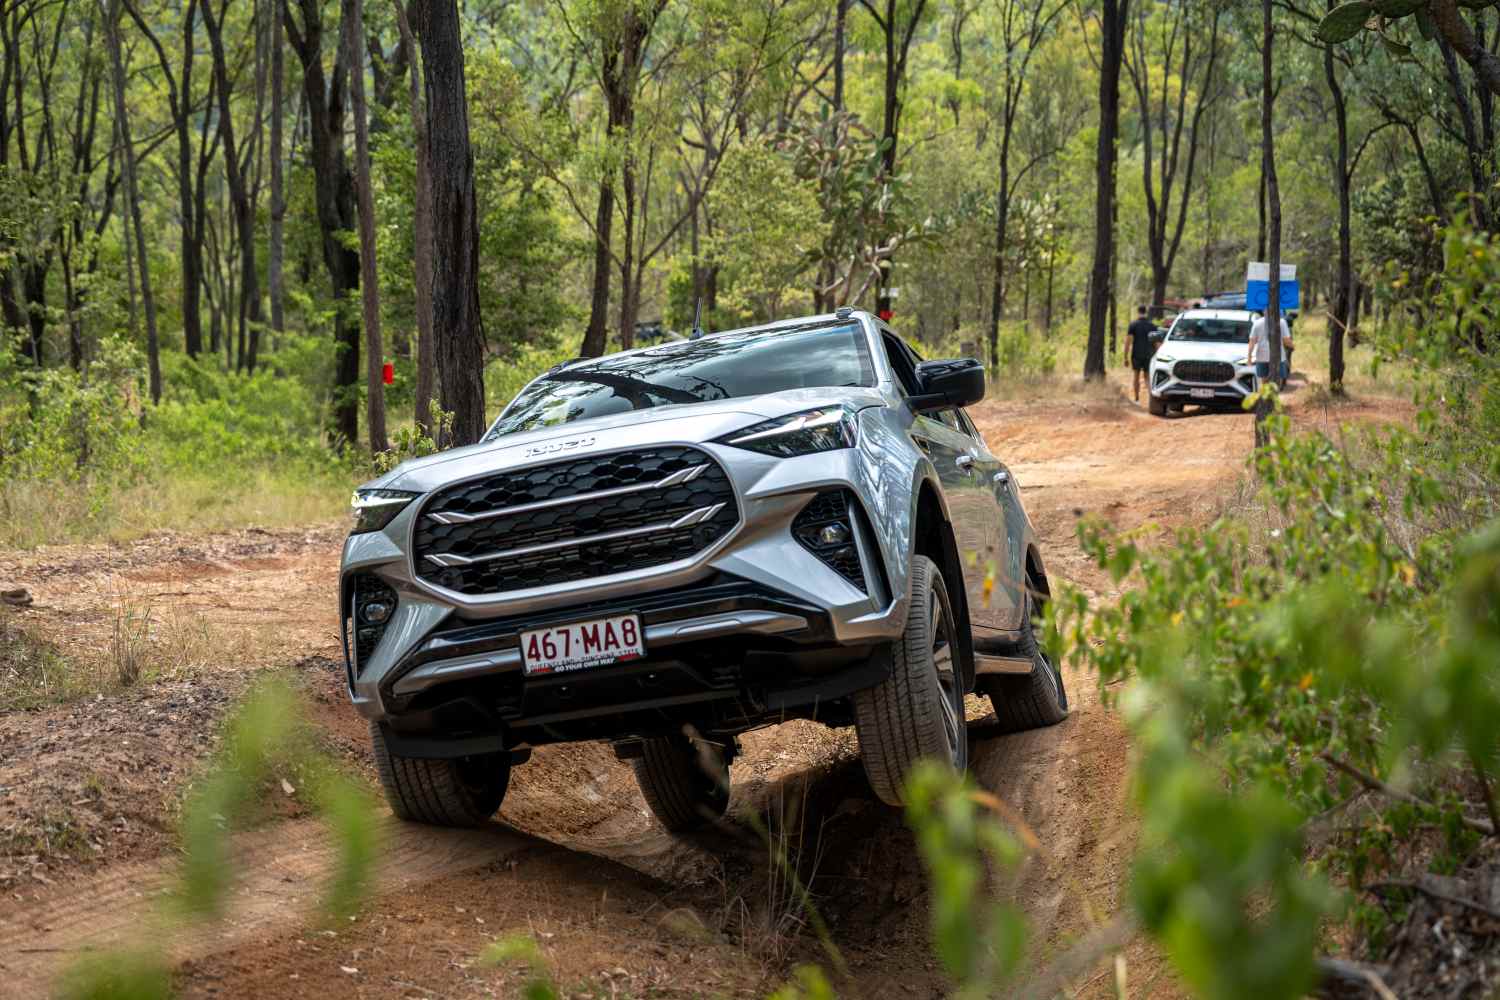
724,655
1166,385
756,595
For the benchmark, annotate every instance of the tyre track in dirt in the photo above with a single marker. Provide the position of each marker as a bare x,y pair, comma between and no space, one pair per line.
281,879
580,853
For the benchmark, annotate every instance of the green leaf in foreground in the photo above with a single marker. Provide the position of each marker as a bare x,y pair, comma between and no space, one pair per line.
1345,21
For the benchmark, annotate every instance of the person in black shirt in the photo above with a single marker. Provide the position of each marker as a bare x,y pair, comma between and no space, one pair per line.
1139,349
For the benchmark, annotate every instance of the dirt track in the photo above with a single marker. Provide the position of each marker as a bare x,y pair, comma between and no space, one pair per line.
87,789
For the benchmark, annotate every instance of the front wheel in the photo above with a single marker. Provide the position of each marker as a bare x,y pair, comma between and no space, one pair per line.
684,781
460,791
1155,405
917,712
1031,700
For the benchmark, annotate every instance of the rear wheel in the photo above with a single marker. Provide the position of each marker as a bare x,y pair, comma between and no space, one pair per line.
1033,700
460,791
918,711
1156,405
684,781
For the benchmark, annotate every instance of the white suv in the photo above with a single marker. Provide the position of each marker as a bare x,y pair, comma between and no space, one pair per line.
1202,361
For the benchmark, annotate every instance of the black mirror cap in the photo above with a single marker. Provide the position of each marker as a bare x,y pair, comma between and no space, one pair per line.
957,382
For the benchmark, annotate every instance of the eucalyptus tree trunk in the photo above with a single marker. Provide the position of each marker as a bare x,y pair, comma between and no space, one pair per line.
354,33
455,230
276,251
1273,227
334,197
133,200
421,235
1115,13
239,191
1344,276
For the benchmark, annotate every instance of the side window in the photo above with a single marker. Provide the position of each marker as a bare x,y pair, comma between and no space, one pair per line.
901,363
950,418
967,426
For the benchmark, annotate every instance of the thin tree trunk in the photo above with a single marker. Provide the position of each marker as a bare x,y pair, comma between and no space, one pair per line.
1273,205
133,203
595,334
1002,218
1344,277
628,288
354,33
840,25
239,192
421,236
1100,287
1260,234
333,191
455,230
276,251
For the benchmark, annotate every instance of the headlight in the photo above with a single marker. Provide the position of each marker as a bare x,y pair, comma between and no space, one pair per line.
1165,359
373,509
825,429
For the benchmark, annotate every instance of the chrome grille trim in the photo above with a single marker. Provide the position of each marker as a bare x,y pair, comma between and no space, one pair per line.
454,517
448,560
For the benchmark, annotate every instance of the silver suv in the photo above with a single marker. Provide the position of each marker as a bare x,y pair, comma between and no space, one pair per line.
667,547
1202,361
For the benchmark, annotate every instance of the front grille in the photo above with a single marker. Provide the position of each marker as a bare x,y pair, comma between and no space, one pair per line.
831,508
1204,371
573,520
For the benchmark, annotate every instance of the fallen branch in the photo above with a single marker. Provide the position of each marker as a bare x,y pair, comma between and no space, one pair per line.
1344,971
1438,894
1376,785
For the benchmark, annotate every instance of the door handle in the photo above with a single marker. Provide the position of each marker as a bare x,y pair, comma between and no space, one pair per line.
1002,478
965,463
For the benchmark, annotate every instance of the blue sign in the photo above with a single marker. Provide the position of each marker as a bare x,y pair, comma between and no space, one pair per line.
1258,287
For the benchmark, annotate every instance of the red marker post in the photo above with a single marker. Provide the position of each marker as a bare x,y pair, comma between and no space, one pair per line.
388,373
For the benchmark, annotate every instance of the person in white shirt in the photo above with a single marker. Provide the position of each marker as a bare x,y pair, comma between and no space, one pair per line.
1258,350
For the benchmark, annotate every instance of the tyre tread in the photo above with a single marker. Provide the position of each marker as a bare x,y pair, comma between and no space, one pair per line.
430,791
900,720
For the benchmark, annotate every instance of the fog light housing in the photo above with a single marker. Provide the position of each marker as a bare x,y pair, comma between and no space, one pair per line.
376,612
372,603
836,533
823,528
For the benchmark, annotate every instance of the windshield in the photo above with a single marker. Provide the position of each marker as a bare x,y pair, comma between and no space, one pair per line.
726,366
1198,329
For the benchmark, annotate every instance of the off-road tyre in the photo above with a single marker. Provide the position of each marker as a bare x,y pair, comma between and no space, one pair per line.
684,781
917,712
1155,405
459,791
1029,701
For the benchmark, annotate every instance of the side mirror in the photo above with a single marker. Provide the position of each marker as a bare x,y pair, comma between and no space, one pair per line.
959,382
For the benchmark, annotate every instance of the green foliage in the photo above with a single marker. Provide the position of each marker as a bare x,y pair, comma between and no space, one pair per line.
267,741
1345,21
90,445
980,940
118,975
768,231
519,949
1353,632
269,737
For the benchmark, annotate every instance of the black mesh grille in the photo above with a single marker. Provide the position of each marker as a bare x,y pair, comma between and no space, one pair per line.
828,508
367,588
568,563
1204,371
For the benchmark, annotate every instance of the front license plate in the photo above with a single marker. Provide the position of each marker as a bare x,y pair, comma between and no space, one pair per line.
562,648
1201,393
